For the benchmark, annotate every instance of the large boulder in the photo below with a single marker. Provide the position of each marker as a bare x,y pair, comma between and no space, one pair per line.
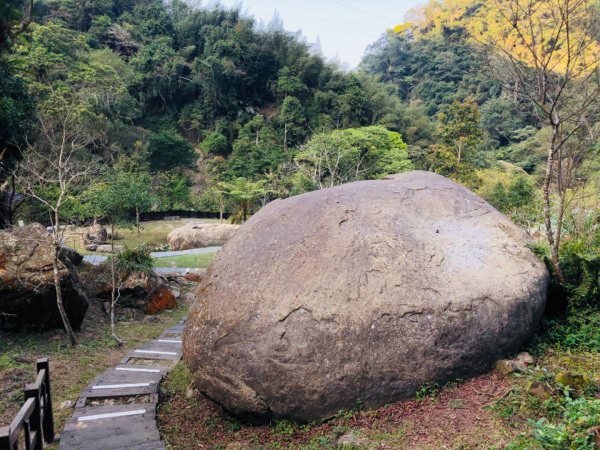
198,235
361,294
27,292
143,290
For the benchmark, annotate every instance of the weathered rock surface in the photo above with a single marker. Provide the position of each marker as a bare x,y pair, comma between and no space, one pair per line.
107,248
145,291
27,292
508,366
96,234
72,255
363,292
198,235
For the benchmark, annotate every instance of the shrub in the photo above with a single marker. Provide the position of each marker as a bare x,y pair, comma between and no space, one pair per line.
580,261
135,259
580,330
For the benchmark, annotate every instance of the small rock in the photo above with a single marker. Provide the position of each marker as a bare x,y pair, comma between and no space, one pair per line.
190,393
108,249
106,308
23,359
508,366
67,404
96,234
525,358
195,277
176,293
91,247
540,390
573,380
349,439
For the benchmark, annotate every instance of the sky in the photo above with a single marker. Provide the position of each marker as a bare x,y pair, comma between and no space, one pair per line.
344,27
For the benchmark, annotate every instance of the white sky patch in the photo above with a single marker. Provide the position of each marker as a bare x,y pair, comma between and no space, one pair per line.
345,28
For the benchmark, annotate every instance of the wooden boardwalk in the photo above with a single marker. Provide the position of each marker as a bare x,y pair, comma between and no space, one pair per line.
118,409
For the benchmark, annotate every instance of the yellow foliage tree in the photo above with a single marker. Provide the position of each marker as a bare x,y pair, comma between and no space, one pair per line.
546,52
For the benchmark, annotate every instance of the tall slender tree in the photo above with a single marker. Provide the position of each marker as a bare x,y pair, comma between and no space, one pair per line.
55,168
548,52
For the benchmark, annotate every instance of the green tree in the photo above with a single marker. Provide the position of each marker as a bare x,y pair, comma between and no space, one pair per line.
243,193
502,119
15,17
167,150
57,168
255,151
139,198
215,143
16,120
341,156
114,200
171,190
293,119
288,84
461,129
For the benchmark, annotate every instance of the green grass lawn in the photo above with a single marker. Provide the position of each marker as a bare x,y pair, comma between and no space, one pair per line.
201,261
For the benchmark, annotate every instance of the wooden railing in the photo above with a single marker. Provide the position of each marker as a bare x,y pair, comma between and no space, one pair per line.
34,420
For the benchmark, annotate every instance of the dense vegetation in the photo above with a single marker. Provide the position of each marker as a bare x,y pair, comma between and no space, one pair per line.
187,97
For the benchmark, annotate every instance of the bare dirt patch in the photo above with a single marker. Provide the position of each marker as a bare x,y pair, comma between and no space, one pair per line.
456,417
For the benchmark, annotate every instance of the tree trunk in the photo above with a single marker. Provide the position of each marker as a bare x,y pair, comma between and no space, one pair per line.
11,200
137,219
113,297
552,242
221,207
59,298
4,210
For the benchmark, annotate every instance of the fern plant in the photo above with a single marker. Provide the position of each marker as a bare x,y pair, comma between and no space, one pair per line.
136,259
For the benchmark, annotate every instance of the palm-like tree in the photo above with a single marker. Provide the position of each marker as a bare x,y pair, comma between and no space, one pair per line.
243,192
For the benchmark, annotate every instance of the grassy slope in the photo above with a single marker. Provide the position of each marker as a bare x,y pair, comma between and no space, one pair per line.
197,261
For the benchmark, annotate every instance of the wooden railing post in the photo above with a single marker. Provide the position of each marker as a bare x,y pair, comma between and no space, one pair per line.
35,421
5,438
48,418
